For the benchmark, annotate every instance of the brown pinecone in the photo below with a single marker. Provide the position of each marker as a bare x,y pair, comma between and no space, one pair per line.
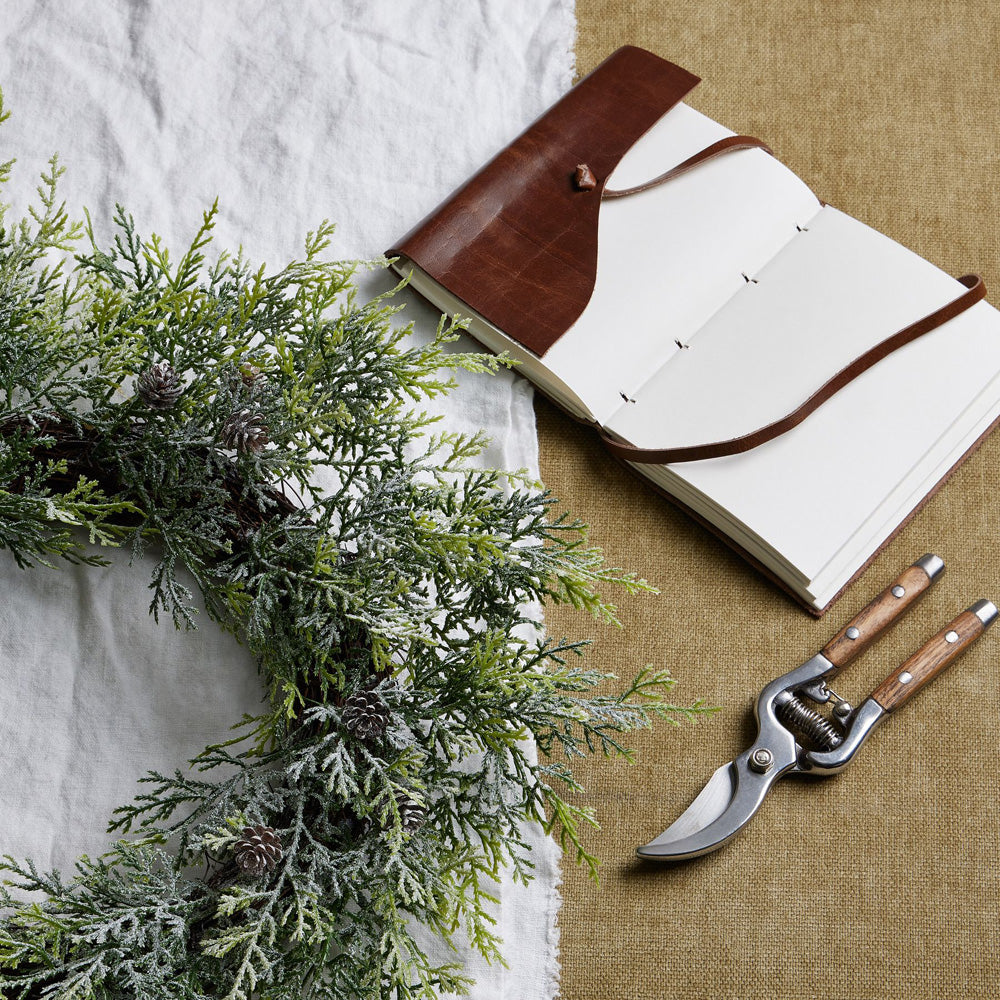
366,715
251,376
245,430
258,851
159,386
412,815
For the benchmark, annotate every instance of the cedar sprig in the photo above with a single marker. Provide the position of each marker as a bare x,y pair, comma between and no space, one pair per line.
358,549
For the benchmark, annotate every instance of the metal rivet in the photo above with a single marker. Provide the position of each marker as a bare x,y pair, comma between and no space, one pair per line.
761,760
898,591
951,637
905,677
853,633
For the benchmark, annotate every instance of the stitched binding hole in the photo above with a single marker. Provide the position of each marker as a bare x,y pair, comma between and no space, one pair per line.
748,279
683,347
628,399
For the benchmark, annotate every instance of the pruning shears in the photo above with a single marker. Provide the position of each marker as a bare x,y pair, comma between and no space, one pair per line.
795,737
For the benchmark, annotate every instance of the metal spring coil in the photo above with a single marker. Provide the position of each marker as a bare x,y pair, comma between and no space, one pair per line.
810,723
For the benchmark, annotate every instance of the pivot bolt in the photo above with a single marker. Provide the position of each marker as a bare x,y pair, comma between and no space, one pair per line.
761,760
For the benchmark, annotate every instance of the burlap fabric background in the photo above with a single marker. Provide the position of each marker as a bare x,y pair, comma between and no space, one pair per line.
881,882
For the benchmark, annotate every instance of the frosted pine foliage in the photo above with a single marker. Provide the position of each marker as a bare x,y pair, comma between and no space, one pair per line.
295,855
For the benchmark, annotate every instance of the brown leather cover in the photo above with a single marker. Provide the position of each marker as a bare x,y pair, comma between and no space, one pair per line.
518,242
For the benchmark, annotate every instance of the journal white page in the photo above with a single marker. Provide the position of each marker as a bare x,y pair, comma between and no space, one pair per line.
828,296
669,257
931,468
835,291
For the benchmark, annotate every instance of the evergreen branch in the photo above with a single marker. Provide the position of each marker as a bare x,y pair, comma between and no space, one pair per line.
192,406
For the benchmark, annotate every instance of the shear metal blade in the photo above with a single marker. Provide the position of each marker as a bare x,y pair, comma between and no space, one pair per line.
710,804
723,807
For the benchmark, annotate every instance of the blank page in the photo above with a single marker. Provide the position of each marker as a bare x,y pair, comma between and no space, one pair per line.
670,257
834,292
827,297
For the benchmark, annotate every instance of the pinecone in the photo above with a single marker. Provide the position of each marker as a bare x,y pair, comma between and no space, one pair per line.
245,431
366,715
251,376
258,851
159,386
412,815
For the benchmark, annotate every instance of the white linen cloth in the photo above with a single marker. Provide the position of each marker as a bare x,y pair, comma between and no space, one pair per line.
291,112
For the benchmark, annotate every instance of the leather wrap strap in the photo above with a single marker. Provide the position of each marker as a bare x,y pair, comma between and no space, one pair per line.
729,144
976,291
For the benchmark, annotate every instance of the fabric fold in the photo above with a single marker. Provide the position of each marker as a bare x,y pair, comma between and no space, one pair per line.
290,113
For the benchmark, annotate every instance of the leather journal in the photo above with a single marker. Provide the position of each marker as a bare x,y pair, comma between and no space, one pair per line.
795,380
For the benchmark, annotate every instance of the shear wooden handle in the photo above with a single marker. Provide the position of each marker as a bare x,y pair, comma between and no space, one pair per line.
934,656
869,623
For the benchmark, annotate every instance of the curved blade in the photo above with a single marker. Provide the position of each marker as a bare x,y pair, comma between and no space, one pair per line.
711,803
723,807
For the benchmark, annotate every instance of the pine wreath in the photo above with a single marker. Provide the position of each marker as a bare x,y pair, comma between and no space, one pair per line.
183,408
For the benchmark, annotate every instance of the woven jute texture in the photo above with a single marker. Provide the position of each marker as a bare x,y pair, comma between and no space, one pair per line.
882,882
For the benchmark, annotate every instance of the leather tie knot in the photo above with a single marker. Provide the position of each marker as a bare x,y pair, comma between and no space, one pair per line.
584,179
